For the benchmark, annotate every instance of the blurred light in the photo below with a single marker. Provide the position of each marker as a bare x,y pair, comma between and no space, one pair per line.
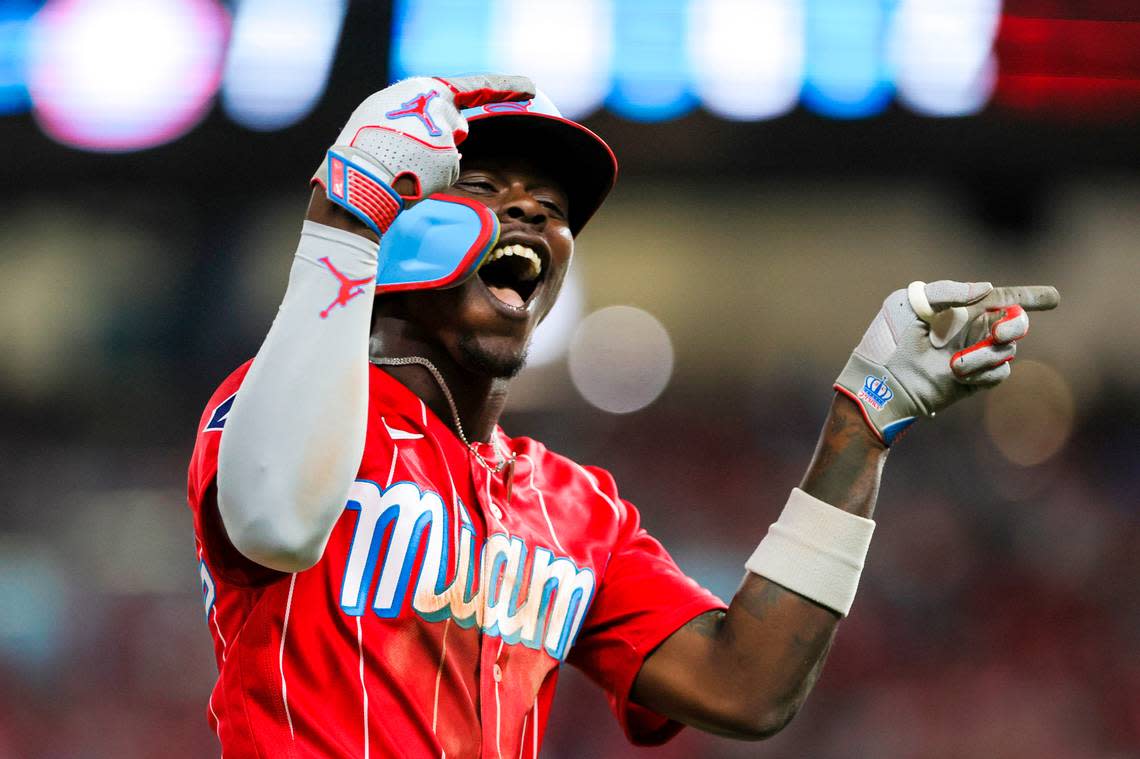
279,60
651,81
119,75
846,75
943,57
15,17
124,74
621,359
553,335
33,596
1030,415
748,56
566,46
1080,69
440,38
743,59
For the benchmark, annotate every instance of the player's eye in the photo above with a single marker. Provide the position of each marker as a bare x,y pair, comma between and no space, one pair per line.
554,207
476,183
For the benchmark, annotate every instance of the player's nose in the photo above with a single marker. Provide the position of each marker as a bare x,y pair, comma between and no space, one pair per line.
521,205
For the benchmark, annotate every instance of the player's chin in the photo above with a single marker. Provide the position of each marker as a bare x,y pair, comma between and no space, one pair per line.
496,356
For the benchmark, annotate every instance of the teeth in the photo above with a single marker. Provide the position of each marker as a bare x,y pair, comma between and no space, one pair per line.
522,252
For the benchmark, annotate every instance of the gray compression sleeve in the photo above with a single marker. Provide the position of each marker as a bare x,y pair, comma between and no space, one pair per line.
293,441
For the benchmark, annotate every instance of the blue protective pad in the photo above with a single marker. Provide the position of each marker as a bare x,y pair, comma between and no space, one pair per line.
438,242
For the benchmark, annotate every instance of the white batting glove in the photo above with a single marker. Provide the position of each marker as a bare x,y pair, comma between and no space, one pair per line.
410,129
933,344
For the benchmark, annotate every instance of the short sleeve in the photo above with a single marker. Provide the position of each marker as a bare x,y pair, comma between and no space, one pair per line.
204,461
201,490
643,598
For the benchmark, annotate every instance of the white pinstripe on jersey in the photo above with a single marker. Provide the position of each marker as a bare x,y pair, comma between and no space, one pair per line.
522,736
218,627
359,626
498,706
594,484
363,687
542,505
217,721
281,654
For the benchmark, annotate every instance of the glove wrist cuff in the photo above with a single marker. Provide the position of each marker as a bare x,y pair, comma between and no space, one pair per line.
359,190
887,407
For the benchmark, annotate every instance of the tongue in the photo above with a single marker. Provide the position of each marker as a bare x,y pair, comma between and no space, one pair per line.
507,295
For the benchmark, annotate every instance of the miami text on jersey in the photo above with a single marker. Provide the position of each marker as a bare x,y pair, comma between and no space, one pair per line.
547,616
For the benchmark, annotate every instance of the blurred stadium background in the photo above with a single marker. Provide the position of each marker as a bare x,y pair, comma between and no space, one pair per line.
785,164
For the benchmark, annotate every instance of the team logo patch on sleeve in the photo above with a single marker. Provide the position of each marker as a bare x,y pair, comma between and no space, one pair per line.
221,411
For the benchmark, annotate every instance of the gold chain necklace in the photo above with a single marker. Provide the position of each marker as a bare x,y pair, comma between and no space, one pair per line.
496,468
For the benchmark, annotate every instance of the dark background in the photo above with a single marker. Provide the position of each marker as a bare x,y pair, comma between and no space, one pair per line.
999,612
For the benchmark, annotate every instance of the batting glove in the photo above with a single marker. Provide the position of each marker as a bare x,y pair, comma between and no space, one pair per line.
410,129
933,344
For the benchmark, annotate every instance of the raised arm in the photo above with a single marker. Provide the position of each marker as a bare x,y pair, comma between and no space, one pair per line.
744,673
294,437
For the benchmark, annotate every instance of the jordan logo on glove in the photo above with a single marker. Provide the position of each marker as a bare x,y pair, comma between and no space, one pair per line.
349,288
417,107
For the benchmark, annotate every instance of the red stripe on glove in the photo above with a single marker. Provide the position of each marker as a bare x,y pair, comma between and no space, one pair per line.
1008,314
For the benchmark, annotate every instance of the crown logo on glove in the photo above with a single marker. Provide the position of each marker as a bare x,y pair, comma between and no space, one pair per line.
876,392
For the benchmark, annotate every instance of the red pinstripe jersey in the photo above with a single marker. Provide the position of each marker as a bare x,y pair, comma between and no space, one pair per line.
436,620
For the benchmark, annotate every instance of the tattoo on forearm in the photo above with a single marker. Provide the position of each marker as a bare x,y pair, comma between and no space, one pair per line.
759,600
847,464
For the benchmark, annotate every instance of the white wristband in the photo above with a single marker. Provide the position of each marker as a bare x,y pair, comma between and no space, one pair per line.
815,550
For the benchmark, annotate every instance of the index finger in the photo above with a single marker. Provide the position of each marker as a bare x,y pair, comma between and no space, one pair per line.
1029,297
470,91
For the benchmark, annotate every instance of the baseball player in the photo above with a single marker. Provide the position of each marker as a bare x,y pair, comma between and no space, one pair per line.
386,572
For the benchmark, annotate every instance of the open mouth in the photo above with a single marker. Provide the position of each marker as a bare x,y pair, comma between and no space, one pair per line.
512,273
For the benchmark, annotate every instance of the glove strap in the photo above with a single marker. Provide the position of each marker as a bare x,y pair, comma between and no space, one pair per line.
887,407
366,196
